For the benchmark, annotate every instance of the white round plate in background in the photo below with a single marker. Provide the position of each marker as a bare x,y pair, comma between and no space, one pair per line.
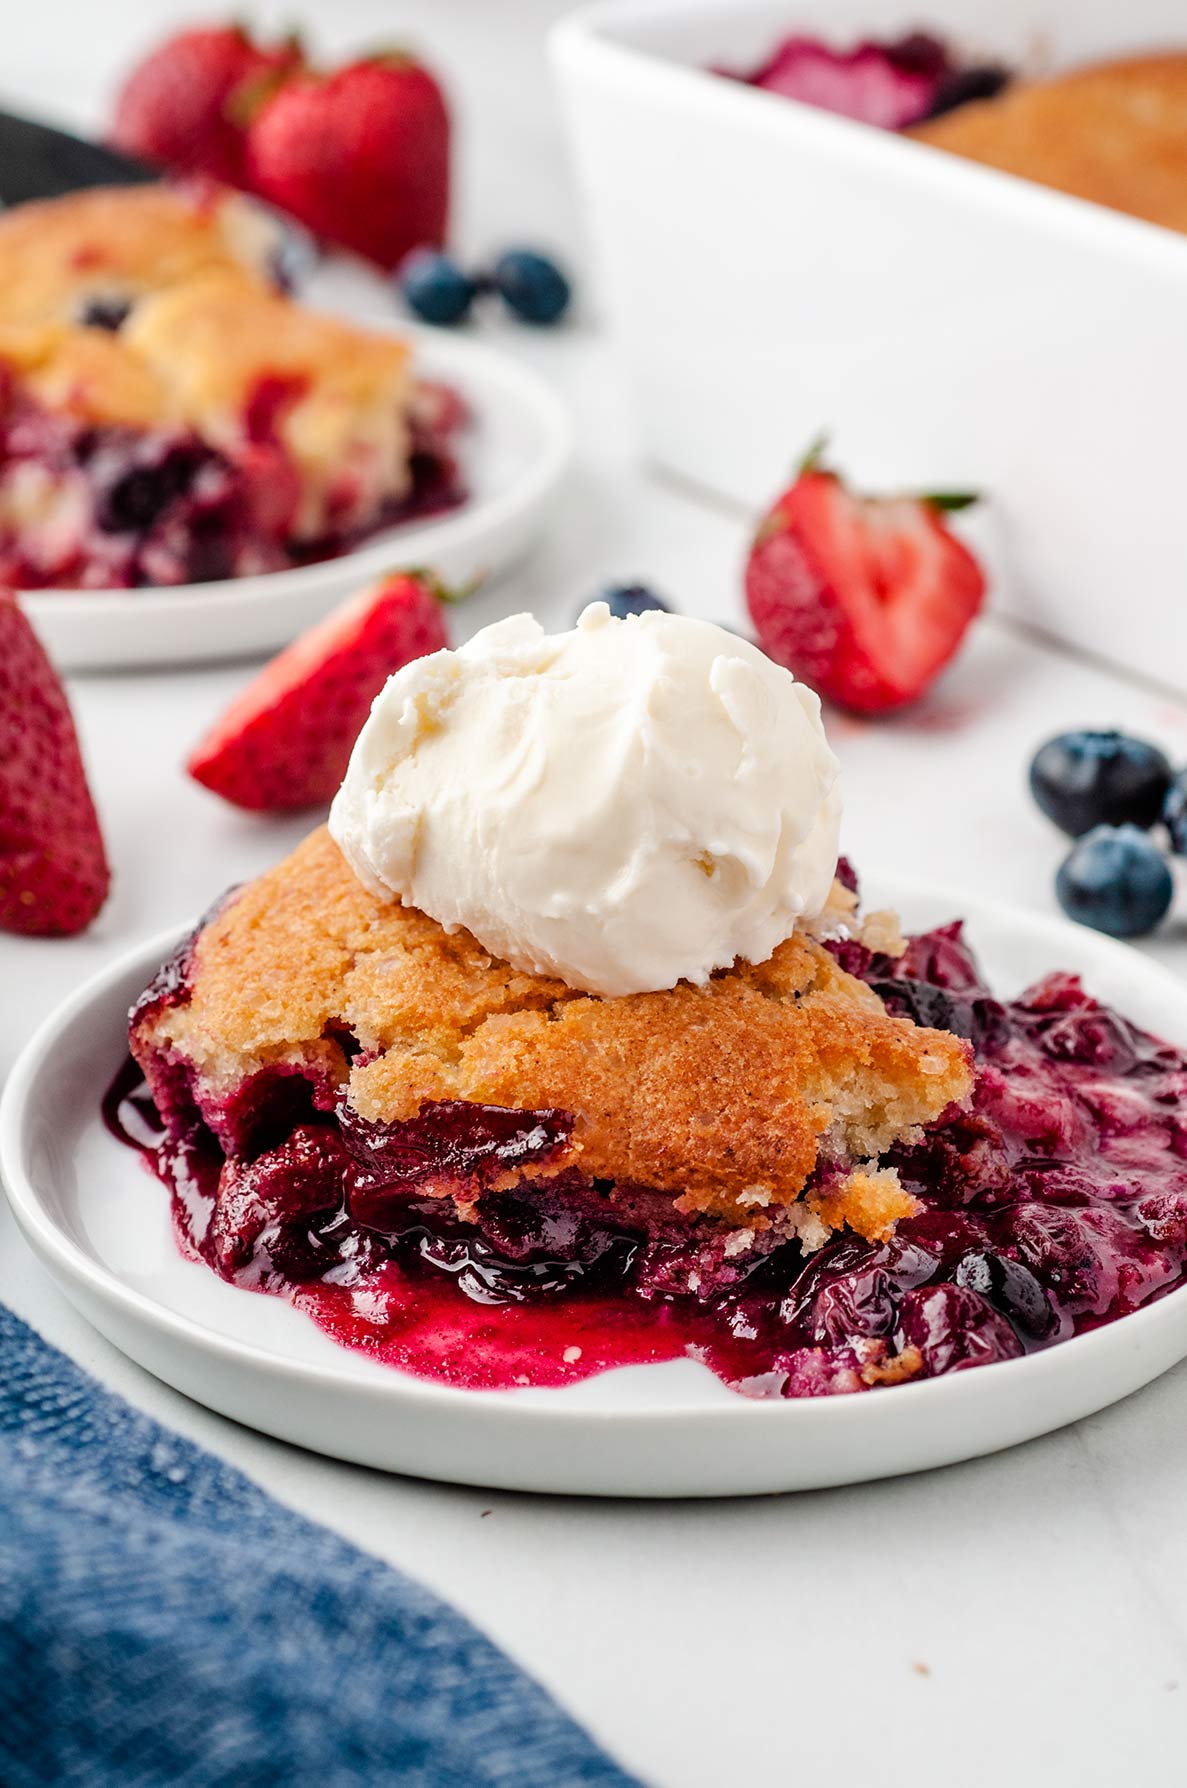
513,458
101,1224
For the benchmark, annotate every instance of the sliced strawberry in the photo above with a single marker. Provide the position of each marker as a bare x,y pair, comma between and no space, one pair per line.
865,599
53,867
286,741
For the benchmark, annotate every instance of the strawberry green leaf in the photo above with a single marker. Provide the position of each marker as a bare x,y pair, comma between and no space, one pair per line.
433,584
813,459
949,501
244,102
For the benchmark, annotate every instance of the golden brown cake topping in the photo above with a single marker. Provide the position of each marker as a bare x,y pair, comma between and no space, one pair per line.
116,244
1115,132
727,1097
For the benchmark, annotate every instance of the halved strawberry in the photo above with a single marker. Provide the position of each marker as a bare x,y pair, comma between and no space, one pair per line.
53,867
286,741
864,598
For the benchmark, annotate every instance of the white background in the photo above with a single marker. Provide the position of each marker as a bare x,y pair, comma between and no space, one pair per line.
1014,1621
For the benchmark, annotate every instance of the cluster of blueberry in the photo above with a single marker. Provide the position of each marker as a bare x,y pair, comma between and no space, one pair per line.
439,291
1108,791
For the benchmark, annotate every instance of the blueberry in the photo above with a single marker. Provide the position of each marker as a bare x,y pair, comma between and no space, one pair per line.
135,484
1174,812
105,312
1087,779
1115,880
625,600
532,286
436,288
1010,1287
982,81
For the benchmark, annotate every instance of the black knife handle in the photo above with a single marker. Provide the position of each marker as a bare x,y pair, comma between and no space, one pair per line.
38,161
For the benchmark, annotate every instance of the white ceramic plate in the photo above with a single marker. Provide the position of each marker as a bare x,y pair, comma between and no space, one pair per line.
100,1222
514,457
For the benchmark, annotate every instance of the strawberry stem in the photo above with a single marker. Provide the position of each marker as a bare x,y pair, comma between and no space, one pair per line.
436,588
244,102
813,459
949,501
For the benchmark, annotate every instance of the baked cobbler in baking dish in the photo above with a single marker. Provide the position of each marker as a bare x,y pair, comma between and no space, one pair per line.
1112,131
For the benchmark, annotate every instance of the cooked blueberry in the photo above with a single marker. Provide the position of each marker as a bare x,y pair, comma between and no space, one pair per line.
974,1016
1115,880
1011,1287
132,491
106,313
436,288
1086,779
918,52
625,600
532,286
984,81
1174,812
953,1328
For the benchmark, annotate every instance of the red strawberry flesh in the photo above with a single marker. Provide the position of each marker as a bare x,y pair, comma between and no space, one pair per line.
285,742
54,875
864,599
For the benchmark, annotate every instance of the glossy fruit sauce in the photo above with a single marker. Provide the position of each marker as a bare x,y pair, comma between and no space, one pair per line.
1056,1203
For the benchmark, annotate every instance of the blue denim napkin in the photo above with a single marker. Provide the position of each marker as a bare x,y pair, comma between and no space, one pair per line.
165,1624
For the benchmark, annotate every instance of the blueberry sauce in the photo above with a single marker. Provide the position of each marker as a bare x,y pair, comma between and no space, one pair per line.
1055,1202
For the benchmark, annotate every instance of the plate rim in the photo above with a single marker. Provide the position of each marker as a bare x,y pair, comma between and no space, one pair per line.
67,1260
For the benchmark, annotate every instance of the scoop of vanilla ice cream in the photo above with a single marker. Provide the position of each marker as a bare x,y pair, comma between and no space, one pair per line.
626,805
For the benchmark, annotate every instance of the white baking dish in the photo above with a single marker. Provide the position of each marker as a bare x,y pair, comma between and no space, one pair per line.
770,269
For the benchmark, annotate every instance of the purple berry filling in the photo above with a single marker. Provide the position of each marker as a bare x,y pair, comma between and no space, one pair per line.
110,507
1056,1202
892,84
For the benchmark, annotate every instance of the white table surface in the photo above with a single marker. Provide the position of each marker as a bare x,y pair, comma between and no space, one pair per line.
1014,1621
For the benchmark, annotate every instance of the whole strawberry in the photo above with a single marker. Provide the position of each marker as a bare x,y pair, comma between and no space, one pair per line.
864,598
185,106
361,157
286,741
53,868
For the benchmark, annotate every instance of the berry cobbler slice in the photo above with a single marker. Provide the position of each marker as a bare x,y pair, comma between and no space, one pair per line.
334,1075
541,1059
221,431
334,1098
